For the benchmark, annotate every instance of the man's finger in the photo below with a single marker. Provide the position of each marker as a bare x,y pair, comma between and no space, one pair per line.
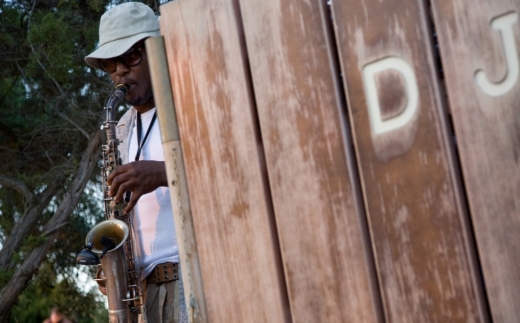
121,169
131,204
112,174
121,190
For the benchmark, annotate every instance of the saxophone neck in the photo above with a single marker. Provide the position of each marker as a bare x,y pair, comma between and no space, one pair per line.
109,125
115,98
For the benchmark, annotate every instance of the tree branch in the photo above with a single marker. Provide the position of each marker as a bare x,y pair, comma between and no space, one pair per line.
18,186
74,124
26,223
32,261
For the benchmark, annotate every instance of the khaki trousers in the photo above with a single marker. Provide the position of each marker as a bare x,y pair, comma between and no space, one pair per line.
162,302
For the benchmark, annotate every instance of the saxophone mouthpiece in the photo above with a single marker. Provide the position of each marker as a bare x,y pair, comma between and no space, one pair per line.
120,85
119,92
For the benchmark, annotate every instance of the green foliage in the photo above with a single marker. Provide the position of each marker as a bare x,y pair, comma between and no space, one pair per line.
48,290
51,103
97,5
72,239
5,276
46,90
49,41
32,242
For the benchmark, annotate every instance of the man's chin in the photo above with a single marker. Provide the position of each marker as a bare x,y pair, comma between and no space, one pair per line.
138,100
134,101
137,104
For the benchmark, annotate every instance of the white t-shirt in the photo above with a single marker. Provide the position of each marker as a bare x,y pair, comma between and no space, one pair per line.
153,217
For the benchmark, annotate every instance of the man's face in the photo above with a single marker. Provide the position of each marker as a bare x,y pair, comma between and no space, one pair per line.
136,78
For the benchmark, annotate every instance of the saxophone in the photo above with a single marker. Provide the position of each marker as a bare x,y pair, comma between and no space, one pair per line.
118,272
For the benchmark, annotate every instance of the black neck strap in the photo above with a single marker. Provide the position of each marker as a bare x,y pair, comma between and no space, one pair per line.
140,143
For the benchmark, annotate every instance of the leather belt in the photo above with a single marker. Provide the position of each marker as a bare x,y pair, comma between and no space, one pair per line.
162,273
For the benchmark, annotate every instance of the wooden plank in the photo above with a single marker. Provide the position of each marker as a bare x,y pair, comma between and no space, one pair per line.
419,226
478,36
173,158
232,215
314,184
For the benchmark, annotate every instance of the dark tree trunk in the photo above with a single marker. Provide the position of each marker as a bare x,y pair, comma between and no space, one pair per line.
23,274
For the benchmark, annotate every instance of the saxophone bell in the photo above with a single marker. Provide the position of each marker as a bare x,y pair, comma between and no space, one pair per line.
107,236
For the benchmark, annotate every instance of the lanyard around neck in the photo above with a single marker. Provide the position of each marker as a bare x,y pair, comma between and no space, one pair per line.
139,132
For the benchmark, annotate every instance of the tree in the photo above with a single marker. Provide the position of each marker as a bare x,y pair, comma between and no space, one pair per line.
49,138
51,109
47,291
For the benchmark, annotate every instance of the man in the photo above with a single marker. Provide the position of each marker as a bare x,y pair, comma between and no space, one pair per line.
122,55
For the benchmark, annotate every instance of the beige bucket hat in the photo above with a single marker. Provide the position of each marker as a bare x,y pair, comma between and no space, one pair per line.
120,28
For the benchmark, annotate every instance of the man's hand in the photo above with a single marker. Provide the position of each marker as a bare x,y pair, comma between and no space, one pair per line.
139,177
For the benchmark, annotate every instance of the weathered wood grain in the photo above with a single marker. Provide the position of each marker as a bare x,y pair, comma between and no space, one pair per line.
174,161
419,226
487,125
232,213
313,179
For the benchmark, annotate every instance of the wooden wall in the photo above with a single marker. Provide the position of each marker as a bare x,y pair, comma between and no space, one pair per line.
483,37
351,162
